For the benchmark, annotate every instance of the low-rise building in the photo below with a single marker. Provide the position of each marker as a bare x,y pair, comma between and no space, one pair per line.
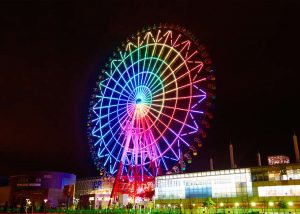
41,189
93,192
263,186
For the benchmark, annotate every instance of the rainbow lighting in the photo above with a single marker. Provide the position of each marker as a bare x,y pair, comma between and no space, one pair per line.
152,99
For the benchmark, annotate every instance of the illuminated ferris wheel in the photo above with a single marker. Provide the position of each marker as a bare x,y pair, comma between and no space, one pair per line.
150,109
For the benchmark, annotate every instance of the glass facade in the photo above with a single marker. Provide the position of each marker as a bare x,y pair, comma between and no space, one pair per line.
273,183
215,184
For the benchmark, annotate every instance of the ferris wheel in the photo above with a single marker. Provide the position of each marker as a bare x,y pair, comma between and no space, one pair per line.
151,107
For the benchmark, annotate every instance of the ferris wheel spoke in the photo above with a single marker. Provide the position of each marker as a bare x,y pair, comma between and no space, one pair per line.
154,49
163,45
180,109
132,61
121,75
111,78
151,144
149,173
183,75
152,54
106,133
103,107
161,157
99,118
114,90
138,61
120,150
163,62
161,134
172,131
110,152
126,69
110,98
106,124
132,53
171,63
184,62
177,88
178,121
144,61
113,112
153,81
153,78
200,100
117,140
178,98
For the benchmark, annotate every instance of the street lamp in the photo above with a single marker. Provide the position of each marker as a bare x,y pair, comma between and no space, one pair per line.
290,204
193,207
236,204
253,204
271,204
222,205
45,202
29,203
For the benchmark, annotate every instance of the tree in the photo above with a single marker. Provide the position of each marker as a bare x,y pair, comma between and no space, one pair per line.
283,204
209,202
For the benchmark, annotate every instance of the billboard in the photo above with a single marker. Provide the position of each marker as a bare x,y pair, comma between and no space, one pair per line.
287,190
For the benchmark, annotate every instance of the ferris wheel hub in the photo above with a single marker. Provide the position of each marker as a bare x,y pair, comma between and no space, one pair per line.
138,100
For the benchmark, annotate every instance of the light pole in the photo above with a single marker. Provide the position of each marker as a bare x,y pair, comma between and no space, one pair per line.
236,204
271,204
290,204
180,207
222,205
29,203
45,203
193,205
253,204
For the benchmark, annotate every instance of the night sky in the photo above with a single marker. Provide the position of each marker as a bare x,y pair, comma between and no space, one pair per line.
52,51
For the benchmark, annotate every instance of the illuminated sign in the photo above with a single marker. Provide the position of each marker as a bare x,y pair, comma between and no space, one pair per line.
288,190
278,159
96,184
29,185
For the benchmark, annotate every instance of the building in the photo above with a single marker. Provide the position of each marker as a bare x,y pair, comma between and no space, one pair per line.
263,186
94,192
4,191
41,188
